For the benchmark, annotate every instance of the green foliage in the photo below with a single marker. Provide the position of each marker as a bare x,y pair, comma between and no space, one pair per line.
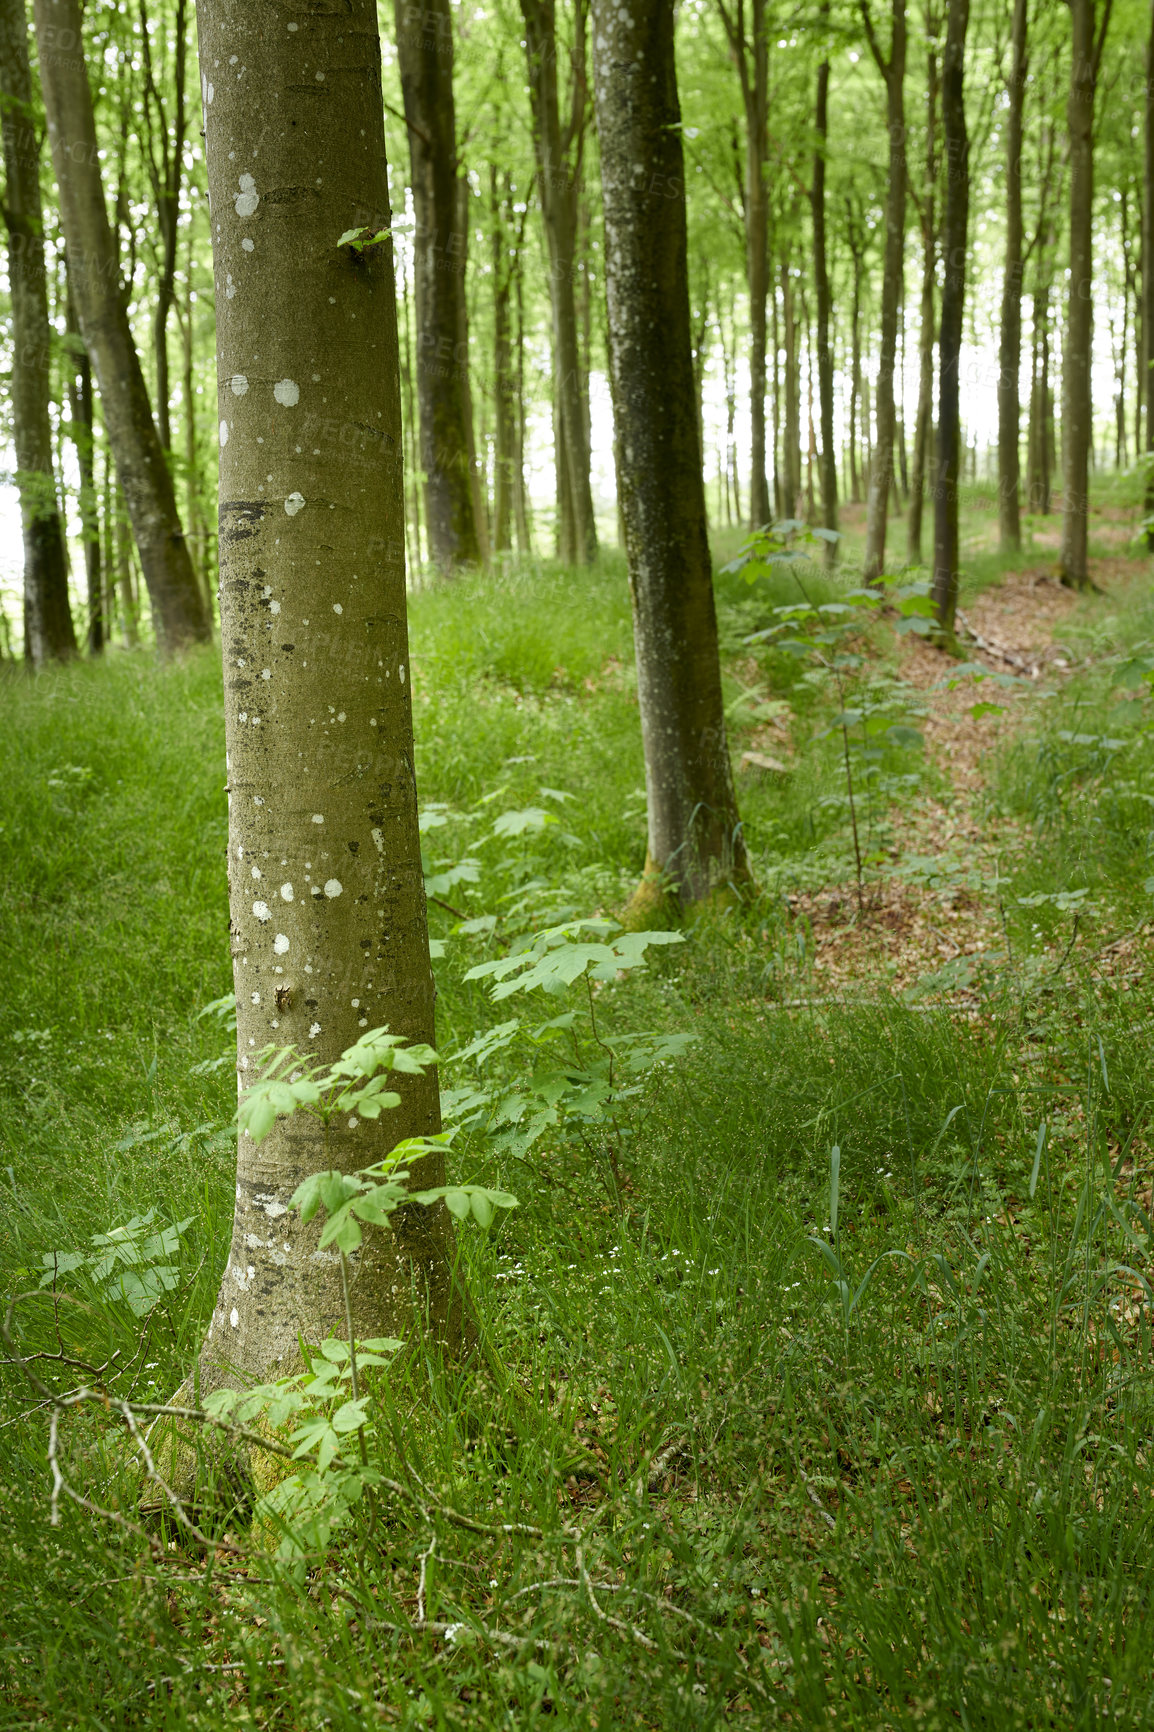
129,1263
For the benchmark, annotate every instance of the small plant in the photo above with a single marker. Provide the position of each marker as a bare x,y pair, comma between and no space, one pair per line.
132,1263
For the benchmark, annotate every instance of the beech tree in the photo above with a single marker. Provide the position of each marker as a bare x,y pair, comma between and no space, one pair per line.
558,151
1087,41
1010,346
893,70
1148,274
825,369
178,606
425,53
957,149
49,634
326,897
695,836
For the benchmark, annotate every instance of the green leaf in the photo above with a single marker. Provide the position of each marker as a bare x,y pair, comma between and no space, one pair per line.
350,1417
352,236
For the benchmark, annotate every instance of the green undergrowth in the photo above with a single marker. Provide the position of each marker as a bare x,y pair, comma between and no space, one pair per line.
828,1400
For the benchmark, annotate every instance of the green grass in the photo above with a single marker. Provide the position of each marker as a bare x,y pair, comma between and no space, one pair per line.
935,1511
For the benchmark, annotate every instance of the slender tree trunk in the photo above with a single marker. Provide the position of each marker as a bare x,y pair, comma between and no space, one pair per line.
165,147
504,417
558,153
461,254
957,149
425,54
48,628
81,426
1148,279
177,605
695,835
824,310
791,453
1077,404
923,426
327,903
520,491
855,392
1010,346
893,71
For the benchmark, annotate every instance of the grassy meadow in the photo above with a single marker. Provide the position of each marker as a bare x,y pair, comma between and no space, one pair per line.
804,1496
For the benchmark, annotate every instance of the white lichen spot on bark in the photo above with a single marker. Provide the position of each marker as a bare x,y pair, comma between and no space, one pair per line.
287,392
333,887
238,384
280,944
286,892
223,434
294,503
247,245
247,199
234,1317
261,910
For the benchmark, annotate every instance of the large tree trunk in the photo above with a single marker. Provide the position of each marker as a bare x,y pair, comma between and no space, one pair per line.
1148,280
558,153
178,607
48,628
1010,345
791,437
893,70
425,53
957,148
824,310
695,835
326,896
1077,405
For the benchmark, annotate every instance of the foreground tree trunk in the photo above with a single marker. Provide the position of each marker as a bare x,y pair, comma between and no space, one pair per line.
48,630
824,309
326,896
695,836
1010,346
558,152
1077,406
957,148
893,71
178,607
425,53
928,214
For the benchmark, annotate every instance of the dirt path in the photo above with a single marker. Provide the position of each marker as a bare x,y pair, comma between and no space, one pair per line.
936,915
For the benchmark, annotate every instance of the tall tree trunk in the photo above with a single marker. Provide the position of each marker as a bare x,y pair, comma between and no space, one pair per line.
824,309
695,835
1010,344
1077,405
521,513
48,628
558,153
928,211
461,254
857,253
177,604
165,150
327,902
81,427
957,151
791,452
750,53
893,71
504,407
425,55
1148,279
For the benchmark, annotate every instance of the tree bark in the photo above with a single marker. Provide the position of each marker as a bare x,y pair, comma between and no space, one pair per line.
695,836
957,150
824,310
178,608
558,152
48,628
791,437
1148,279
1010,345
504,407
326,896
425,54
893,71
1077,406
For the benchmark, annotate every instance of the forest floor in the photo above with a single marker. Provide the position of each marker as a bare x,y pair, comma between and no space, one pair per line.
822,1379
